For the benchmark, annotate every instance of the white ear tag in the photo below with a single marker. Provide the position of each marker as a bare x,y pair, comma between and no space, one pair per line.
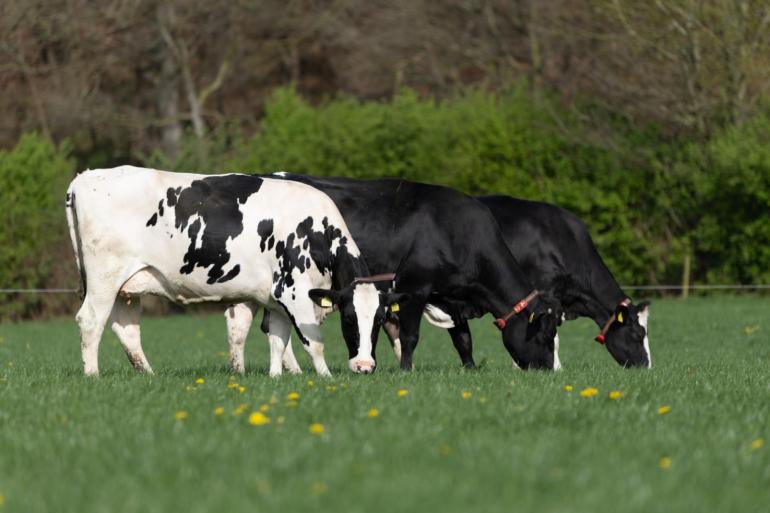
326,302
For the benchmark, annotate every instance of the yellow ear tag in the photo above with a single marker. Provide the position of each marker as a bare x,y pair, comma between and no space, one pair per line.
531,317
394,307
620,318
326,302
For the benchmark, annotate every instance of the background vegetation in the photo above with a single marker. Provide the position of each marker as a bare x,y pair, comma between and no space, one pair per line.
649,121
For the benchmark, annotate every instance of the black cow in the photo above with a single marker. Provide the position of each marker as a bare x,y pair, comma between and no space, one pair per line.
555,250
446,249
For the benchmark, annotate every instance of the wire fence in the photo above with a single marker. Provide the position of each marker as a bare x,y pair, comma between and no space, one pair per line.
625,287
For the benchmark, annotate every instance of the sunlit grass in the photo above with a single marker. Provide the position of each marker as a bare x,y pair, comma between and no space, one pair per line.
687,436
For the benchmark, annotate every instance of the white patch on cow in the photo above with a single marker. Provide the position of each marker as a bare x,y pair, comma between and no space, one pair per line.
644,316
366,301
556,361
397,348
280,173
438,317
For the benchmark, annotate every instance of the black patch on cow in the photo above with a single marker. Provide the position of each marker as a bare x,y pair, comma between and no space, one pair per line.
215,201
171,196
305,239
151,221
68,200
265,230
160,208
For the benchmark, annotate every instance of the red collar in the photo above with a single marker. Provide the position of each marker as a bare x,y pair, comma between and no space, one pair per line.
600,337
521,305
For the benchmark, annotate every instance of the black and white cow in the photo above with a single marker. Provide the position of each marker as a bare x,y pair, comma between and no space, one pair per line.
233,238
555,249
444,246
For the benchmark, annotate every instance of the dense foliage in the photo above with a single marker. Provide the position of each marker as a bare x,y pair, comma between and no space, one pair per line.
33,177
650,201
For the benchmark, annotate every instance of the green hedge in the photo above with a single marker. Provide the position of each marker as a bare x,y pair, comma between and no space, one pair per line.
33,179
649,201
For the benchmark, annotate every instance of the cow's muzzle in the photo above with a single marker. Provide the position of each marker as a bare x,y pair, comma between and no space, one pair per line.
362,366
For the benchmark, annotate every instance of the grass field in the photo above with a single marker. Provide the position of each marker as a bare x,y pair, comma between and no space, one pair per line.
488,440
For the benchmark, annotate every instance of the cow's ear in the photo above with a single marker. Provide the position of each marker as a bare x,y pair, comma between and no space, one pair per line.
393,300
622,313
325,298
642,306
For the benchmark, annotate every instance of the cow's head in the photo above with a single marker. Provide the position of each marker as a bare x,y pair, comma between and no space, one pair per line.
362,309
531,338
626,337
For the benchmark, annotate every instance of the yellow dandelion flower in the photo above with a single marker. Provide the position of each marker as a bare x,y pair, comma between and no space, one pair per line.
756,444
402,392
466,394
258,418
241,389
232,385
310,383
751,329
218,411
665,462
331,388
568,388
316,428
200,381
589,392
616,394
180,415
240,409
319,488
293,396
264,408
664,409
374,412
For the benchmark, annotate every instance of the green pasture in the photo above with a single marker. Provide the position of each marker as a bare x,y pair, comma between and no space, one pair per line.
494,439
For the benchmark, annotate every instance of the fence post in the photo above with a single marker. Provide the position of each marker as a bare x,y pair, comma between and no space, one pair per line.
686,276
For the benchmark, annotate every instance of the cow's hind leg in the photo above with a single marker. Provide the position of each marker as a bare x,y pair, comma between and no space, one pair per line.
461,338
91,318
125,323
278,336
392,328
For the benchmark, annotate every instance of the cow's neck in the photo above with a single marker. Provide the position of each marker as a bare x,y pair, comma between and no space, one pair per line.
595,298
346,268
501,287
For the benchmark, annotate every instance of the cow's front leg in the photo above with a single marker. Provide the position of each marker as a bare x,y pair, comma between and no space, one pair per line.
310,332
238,318
461,338
125,323
289,360
409,332
279,330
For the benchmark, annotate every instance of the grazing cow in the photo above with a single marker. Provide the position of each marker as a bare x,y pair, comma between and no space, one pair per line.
445,247
555,250
194,238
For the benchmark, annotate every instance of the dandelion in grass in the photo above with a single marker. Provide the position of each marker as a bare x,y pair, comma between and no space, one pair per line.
292,396
568,388
402,392
180,415
264,408
757,444
616,394
240,409
664,409
331,388
466,394
319,488
310,383
589,392
200,381
374,412
665,463
316,428
241,389
233,385
258,418
219,411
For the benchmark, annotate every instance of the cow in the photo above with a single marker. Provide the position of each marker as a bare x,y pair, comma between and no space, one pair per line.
555,249
445,247
229,238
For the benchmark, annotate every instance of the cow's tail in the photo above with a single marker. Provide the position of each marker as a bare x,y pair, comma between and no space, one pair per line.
77,246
